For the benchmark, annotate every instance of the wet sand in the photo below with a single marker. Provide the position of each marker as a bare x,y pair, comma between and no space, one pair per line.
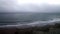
53,29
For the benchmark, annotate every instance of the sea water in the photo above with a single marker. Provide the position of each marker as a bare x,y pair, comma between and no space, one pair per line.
33,19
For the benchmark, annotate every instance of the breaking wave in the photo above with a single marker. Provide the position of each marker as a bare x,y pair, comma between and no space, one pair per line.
33,24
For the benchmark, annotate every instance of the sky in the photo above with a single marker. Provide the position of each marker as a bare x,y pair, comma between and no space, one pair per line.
38,1
25,5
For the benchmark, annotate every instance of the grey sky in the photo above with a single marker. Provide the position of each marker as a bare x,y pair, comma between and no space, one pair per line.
28,5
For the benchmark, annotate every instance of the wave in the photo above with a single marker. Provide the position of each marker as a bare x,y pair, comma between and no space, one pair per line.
33,24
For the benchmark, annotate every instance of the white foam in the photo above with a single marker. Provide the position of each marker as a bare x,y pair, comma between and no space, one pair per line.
33,24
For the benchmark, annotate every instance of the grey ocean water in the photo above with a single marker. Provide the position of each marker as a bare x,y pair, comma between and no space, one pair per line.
27,18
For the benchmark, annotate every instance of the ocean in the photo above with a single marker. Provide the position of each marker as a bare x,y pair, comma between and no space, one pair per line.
29,19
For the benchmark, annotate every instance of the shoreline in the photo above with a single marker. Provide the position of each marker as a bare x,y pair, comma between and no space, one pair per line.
30,30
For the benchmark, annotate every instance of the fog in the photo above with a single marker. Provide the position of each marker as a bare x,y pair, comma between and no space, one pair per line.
29,6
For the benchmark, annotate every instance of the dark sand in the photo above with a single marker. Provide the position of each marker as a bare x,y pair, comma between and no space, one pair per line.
53,29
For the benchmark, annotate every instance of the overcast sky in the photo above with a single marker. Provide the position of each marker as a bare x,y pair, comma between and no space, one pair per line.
26,5
38,1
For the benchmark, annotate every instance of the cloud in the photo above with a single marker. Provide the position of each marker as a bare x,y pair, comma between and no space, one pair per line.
30,5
